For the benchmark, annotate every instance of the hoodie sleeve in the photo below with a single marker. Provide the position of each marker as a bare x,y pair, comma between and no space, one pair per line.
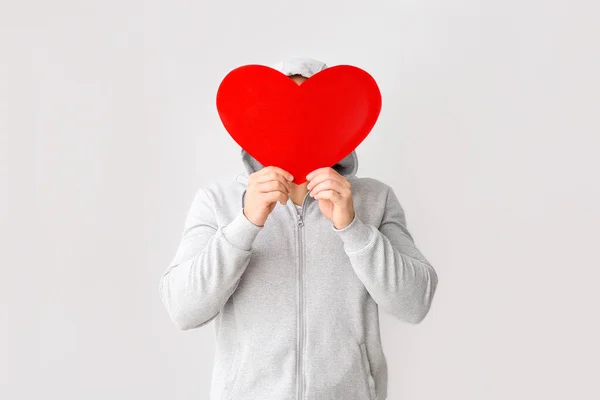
386,260
208,264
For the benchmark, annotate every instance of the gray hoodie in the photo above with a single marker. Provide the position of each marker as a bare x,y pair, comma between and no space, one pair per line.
296,302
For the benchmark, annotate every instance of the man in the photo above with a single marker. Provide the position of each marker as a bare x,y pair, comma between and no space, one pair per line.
294,276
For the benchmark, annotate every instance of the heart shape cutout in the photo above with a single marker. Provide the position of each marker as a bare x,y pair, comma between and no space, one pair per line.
298,127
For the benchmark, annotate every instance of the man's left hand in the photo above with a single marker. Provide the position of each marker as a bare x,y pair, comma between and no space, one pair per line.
334,193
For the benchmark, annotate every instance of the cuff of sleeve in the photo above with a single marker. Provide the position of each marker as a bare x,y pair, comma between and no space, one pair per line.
356,235
241,232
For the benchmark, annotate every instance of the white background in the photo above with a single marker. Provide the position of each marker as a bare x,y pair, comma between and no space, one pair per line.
488,134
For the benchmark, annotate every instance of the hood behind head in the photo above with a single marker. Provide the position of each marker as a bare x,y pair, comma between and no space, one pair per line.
304,66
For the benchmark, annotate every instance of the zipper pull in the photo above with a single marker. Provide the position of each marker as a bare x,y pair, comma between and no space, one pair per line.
300,222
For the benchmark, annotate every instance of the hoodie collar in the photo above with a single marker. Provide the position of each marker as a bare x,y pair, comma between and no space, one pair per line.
347,167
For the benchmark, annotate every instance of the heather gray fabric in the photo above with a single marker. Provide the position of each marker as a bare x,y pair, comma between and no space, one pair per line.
296,301
304,66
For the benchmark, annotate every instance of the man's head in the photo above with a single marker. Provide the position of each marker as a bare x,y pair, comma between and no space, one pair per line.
299,69
298,78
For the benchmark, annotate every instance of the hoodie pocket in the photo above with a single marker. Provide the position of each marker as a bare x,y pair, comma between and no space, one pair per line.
367,371
232,377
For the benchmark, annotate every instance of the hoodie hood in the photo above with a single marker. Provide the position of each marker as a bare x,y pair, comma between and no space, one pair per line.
306,67
347,167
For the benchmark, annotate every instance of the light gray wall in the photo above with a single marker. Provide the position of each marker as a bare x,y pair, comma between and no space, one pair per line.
488,133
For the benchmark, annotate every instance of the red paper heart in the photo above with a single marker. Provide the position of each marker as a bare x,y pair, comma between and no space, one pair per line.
298,127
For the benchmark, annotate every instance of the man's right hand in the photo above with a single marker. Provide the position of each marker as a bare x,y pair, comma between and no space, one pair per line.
265,188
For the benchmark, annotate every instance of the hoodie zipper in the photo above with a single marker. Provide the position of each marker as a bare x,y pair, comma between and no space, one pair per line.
299,359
